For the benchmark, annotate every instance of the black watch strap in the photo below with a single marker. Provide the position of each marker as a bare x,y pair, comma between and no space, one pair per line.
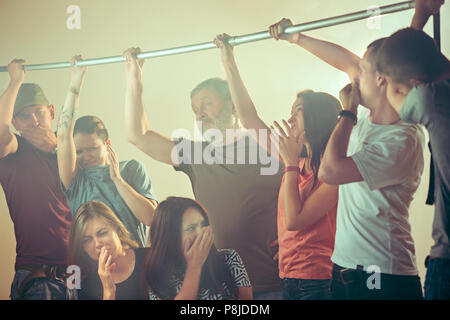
348,114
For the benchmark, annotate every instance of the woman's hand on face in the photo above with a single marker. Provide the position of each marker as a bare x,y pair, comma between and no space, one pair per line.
196,251
114,169
105,267
288,144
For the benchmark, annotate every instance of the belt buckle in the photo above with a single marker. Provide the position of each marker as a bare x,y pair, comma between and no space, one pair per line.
341,277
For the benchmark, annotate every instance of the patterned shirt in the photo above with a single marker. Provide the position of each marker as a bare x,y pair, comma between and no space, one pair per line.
236,268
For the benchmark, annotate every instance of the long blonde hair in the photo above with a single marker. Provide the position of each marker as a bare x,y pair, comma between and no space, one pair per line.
87,212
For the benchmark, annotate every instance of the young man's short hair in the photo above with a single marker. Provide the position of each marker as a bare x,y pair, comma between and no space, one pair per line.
410,54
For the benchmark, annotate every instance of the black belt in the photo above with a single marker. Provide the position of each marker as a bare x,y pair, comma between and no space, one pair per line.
40,271
347,275
55,271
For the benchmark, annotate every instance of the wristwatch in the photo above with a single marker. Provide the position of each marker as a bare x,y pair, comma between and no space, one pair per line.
348,114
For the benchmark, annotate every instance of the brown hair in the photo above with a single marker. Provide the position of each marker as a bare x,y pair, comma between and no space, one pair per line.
410,54
90,125
87,212
320,111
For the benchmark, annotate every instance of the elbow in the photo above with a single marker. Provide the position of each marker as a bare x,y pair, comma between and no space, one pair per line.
327,174
134,138
131,139
291,224
291,227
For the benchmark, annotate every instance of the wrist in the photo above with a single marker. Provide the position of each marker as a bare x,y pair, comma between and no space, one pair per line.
75,90
291,168
299,39
193,270
15,82
349,114
118,180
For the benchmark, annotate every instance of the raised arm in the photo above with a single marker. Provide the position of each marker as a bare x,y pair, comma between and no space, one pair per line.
242,101
137,130
336,167
67,155
423,10
331,53
8,141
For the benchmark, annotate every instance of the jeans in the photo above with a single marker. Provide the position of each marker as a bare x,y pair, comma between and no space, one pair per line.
268,295
41,289
354,285
306,289
437,279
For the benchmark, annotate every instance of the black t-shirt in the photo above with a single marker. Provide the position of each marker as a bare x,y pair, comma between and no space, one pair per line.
130,289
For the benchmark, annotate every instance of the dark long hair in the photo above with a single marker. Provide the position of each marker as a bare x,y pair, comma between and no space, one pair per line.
320,111
166,257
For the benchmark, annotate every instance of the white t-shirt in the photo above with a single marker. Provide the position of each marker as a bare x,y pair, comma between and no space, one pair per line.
372,218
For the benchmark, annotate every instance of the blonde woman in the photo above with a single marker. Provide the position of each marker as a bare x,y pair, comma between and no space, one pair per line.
110,261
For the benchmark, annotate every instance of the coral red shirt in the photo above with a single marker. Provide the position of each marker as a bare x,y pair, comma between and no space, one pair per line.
306,254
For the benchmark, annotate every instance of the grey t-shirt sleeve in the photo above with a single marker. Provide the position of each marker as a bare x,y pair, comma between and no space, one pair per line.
418,104
391,159
135,174
185,149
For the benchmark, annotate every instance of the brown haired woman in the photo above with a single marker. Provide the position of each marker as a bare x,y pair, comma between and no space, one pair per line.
110,261
183,263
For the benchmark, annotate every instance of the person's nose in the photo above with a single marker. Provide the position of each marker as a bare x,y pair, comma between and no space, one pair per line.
291,119
98,243
34,120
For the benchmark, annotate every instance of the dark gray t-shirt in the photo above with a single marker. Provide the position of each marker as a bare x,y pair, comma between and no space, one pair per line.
241,203
94,183
429,104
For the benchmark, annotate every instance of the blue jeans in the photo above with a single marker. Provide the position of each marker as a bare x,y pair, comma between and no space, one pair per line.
353,285
437,279
268,295
306,289
41,289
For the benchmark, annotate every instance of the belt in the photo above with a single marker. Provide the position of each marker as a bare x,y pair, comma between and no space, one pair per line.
55,271
40,271
347,275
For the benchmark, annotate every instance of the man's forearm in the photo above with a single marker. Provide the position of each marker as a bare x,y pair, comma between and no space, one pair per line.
7,101
419,21
245,108
331,53
336,149
135,117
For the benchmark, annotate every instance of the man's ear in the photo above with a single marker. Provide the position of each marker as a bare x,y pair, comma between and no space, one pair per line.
14,123
380,79
108,142
51,108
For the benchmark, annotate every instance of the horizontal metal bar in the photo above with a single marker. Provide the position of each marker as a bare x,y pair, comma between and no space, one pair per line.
360,15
